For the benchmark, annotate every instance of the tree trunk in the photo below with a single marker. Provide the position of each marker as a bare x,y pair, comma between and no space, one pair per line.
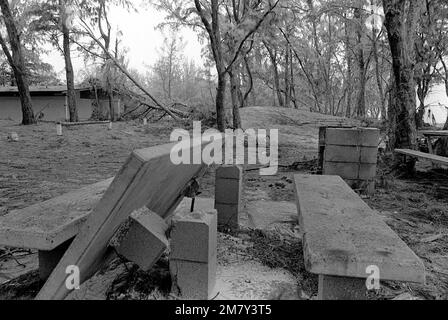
421,109
71,93
287,80
234,88
213,30
361,100
401,18
378,73
16,60
273,58
445,127
220,102
251,84
349,77
293,88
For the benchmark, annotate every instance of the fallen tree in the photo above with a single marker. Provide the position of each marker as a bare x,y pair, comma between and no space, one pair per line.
144,106
153,103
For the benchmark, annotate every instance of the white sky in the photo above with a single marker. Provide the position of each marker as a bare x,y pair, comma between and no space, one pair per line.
438,101
139,36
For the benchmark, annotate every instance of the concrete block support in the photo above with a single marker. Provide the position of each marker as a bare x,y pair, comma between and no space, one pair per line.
193,280
341,288
193,254
48,260
194,236
352,154
144,239
228,194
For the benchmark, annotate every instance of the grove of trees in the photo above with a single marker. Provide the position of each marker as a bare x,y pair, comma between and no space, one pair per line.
373,59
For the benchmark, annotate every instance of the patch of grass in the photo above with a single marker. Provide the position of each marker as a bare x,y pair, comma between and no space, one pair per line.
135,284
284,252
25,287
434,213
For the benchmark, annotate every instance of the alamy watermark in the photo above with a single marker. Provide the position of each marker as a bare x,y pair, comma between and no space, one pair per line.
73,280
209,148
373,280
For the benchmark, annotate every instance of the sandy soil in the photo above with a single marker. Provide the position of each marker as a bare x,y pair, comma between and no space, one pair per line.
42,165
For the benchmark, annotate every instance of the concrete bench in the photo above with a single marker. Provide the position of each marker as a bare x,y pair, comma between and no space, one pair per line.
343,237
435,159
50,226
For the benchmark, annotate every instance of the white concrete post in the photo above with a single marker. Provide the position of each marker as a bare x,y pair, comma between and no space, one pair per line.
59,129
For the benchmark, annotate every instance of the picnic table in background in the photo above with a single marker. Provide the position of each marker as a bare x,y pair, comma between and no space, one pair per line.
431,134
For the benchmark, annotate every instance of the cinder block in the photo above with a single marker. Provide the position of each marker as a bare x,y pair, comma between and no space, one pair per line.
369,137
366,137
344,170
229,172
369,155
194,236
228,191
342,154
193,280
342,137
228,215
48,260
340,288
144,239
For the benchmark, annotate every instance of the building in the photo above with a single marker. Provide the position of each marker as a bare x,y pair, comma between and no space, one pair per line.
49,103
437,105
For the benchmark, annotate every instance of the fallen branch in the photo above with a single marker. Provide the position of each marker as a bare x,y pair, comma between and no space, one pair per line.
89,32
142,101
74,124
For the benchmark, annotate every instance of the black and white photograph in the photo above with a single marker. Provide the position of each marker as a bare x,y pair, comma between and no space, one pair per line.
218,156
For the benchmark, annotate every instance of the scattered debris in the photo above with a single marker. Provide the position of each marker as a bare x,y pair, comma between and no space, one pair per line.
434,238
405,296
282,251
13,137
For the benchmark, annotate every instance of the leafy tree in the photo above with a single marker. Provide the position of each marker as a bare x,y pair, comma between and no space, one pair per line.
15,57
401,22
228,26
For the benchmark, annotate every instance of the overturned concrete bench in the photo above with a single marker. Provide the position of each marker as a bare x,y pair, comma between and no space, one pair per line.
343,238
148,178
75,229
50,226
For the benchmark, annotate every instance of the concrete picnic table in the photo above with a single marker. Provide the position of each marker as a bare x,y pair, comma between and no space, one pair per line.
433,134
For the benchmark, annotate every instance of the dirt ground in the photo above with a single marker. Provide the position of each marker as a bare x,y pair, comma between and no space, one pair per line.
42,165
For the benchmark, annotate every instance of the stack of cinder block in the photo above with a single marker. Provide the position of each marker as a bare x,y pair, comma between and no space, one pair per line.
351,153
228,193
193,254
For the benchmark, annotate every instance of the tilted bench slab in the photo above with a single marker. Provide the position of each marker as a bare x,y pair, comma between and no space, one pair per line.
343,236
422,155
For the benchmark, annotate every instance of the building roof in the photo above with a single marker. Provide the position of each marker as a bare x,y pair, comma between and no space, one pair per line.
39,90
